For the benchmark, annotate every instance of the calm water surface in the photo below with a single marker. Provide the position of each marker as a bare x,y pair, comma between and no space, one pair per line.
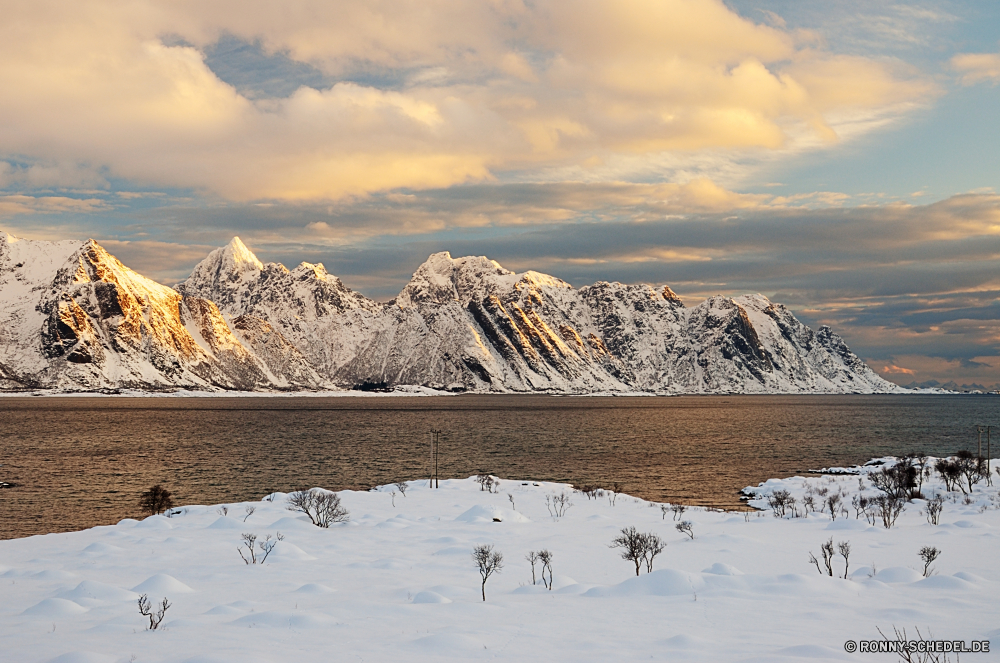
79,462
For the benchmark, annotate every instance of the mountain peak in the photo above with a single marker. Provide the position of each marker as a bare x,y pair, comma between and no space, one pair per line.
238,255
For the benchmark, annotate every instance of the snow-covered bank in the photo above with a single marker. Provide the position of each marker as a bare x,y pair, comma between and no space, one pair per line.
398,581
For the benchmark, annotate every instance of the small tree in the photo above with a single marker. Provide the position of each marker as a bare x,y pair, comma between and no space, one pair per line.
971,467
678,510
156,500
485,482
686,527
545,557
933,509
633,546
888,507
779,501
322,507
928,554
146,609
532,557
489,562
654,546
845,551
557,505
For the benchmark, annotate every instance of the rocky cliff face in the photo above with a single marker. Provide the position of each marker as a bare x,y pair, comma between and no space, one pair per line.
78,318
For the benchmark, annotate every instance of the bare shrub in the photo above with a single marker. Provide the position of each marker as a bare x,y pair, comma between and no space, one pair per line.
678,510
639,548
156,500
557,505
888,508
265,547
844,548
545,557
592,492
510,496
249,511
401,487
488,561
909,651
928,554
896,481
971,467
532,558
146,609
833,504
933,509
322,507
616,488
685,527
486,482
223,510
779,501
951,473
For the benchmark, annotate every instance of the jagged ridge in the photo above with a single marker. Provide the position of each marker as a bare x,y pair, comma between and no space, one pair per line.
76,318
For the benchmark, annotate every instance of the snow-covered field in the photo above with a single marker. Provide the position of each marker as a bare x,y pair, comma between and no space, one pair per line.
398,582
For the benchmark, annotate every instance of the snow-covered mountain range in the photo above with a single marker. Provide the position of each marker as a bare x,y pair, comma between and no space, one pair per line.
75,318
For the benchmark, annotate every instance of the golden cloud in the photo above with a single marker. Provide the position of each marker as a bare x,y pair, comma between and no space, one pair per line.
977,67
491,86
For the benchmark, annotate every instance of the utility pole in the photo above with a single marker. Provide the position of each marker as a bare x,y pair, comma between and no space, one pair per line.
435,441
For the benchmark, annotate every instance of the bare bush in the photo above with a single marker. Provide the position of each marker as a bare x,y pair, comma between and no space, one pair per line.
558,505
532,558
510,496
156,500
223,510
616,488
592,492
488,561
639,548
249,511
322,507
928,554
888,508
909,651
833,504
896,481
685,527
933,509
401,487
678,510
779,501
265,547
971,467
486,482
951,473
545,557
146,609
844,548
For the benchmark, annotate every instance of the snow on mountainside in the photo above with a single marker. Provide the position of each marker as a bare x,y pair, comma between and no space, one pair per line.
468,324
76,318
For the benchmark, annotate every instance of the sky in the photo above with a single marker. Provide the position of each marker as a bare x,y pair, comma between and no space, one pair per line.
840,157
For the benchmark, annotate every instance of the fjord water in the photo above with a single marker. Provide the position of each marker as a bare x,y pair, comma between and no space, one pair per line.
83,461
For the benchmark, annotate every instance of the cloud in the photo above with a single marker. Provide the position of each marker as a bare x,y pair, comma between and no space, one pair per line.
977,67
23,204
415,95
892,369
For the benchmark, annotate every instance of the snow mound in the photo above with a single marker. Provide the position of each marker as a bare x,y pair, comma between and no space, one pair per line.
161,583
897,574
154,522
284,619
665,582
91,589
292,524
721,569
223,522
314,588
288,552
845,525
945,582
430,597
486,514
102,548
55,608
82,657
